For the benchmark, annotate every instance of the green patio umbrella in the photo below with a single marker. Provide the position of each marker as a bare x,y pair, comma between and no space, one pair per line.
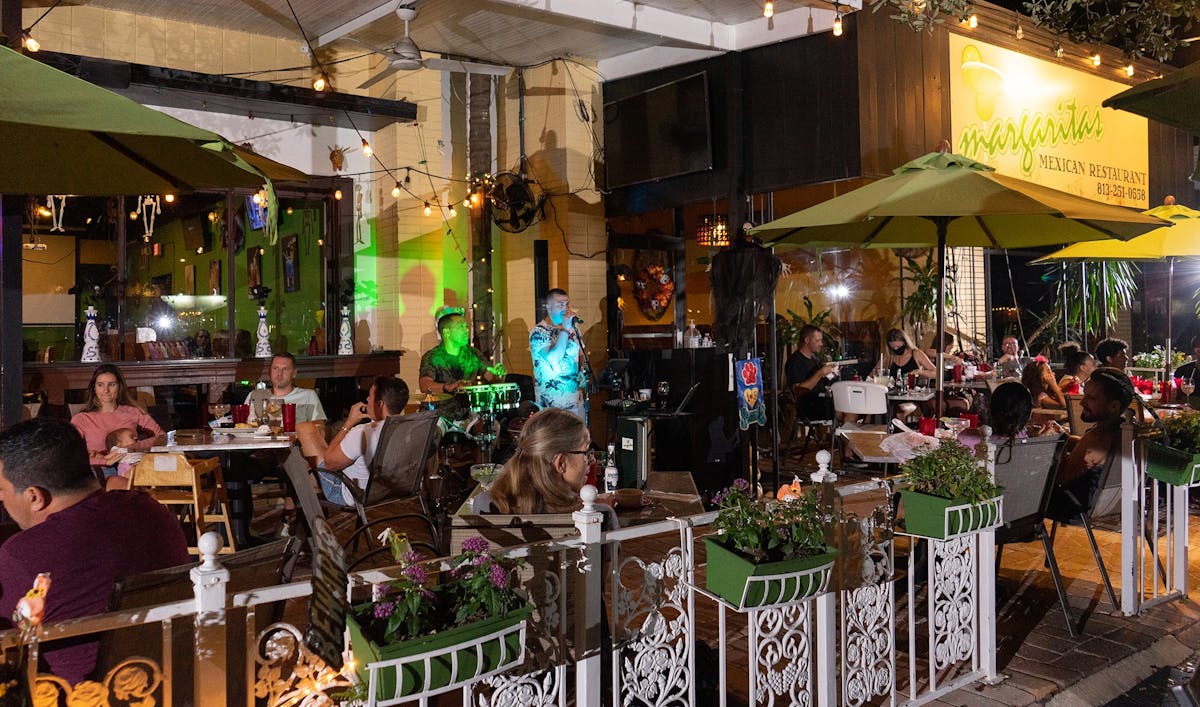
1180,240
942,199
62,135
1173,99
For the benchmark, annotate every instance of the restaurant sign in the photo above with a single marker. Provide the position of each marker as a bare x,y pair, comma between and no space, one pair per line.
1041,121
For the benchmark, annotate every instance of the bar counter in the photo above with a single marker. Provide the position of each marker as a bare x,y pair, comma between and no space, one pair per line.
57,378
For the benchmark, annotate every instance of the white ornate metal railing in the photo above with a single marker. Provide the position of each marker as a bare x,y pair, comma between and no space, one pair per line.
621,617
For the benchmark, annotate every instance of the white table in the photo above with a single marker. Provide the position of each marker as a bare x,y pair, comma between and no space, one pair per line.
230,443
913,396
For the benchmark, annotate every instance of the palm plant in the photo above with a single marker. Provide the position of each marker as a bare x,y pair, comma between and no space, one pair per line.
919,283
1095,299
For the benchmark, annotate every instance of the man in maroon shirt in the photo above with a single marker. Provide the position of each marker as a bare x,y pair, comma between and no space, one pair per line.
85,538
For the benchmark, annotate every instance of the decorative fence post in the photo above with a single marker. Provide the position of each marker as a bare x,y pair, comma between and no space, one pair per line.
589,586
1132,500
211,664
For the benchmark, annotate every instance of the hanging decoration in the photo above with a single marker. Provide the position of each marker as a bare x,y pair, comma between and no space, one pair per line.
713,232
149,206
337,158
653,289
57,203
262,347
751,409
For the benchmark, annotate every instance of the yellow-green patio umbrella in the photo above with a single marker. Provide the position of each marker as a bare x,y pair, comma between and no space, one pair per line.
1180,240
942,199
63,135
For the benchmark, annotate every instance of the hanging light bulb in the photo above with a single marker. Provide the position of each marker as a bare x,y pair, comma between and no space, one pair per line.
466,202
1058,50
427,209
1020,33
453,213
1129,70
769,9
837,25
169,198
320,82
475,198
133,216
396,191
1096,60
257,198
367,148
337,194
973,21
31,45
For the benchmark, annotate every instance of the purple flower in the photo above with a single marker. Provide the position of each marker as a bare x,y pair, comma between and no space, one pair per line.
718,498
411,557
499,577
427,595
741,484
481,560
783,533
415,574
475,544
384,609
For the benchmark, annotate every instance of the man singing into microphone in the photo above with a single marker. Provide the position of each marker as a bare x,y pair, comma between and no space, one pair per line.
558,356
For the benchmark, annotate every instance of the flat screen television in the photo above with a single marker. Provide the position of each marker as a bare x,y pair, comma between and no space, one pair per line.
658,133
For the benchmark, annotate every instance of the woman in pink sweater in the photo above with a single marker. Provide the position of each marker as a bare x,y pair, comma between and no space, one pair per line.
110,406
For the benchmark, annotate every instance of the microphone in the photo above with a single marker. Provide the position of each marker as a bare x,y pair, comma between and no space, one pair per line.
576,320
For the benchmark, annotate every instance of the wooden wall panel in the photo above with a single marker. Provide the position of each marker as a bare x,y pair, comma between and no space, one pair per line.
1171,165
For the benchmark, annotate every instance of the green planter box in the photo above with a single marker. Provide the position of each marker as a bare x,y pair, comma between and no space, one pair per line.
1174,466
397,677
941,518
749,586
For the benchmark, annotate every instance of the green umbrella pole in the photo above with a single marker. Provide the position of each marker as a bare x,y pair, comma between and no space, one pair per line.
942,223
1170,312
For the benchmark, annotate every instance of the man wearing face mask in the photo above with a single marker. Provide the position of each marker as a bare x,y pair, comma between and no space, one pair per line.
557,355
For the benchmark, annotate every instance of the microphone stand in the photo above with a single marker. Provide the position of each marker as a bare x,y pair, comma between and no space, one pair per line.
585,373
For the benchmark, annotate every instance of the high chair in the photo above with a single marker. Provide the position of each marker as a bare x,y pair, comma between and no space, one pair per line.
193,488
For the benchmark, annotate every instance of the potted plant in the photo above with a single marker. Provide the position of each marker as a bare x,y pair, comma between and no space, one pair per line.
428,632
1176,459
948,493
767,552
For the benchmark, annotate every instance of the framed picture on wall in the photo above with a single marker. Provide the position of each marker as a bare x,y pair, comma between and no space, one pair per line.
253,268
189,279
214,277
291,263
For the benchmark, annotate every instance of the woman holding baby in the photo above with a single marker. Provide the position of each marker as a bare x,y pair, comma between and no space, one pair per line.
111,408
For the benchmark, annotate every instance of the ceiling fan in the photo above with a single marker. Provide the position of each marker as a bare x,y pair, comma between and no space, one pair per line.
405,55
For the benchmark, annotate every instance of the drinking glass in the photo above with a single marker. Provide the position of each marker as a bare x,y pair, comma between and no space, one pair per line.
956,425
1188,387
664,392
219,410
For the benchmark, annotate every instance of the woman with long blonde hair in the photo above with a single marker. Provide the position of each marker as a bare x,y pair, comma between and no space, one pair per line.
549,467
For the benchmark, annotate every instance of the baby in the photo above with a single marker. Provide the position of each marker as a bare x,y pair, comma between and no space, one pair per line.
122,439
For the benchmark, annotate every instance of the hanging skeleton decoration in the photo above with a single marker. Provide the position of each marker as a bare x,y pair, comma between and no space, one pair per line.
149,206
57,203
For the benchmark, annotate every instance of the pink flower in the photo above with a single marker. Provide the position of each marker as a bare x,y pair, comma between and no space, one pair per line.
415,574
384,609
499,577
475,544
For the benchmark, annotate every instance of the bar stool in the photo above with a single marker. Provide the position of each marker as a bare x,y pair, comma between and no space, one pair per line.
194,488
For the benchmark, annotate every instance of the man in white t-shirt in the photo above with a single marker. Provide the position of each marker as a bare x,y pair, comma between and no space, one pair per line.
350,449
283,376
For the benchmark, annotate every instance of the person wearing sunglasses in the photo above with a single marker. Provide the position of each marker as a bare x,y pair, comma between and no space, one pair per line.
549,467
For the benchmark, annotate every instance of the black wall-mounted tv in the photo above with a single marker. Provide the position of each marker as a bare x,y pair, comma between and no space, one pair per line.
658,133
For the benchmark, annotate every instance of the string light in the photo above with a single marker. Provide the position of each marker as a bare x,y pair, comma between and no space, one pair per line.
1058,50
1020,33
396,191
837,24
320,83
169,198
1129,70
769,9
475,198
427,209
453,213
1096,60
367,151
31,45
973,21
466,202
337,194
257,198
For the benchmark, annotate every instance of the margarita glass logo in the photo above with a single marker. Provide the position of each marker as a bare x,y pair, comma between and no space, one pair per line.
1069,123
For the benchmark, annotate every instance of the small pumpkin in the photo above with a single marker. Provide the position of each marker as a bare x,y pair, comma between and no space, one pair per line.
787,492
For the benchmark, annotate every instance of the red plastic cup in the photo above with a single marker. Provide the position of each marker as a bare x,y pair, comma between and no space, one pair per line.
240,413
288,411
972,418
958,373
912,381
927,426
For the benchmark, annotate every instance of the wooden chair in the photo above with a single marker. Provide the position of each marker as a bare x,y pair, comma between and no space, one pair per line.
194,488
1025,469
